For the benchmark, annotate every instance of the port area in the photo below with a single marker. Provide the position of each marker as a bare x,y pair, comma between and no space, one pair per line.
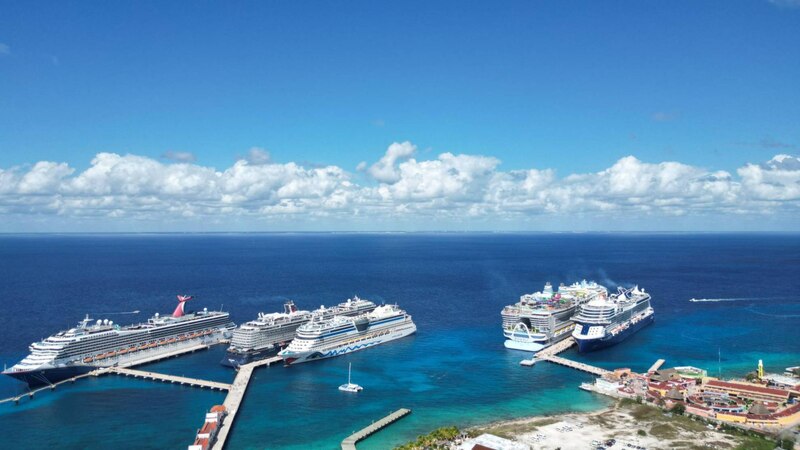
350,442
121,370
767,404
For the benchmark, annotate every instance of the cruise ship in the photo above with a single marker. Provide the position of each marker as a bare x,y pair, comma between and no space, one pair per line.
605,321
89,345
339,335
543,318
269,333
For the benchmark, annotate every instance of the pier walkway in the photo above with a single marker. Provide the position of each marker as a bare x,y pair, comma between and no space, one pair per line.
556,348
235,396
350,442
656,365
549,354
170,378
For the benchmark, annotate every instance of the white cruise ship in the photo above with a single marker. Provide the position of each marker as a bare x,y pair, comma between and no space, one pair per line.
606,321
267,335
543,318
103,343
327,338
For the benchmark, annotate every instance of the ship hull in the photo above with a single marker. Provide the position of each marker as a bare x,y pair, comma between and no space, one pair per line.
590,345
46,377
236,359
291,358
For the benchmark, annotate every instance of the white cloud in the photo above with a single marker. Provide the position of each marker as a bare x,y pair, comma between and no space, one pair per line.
385,169
455,188
257,155
183,157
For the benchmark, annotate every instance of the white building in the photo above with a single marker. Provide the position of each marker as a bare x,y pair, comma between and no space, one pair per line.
492,442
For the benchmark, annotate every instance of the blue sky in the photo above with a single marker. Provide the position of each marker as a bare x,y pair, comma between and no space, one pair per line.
564,85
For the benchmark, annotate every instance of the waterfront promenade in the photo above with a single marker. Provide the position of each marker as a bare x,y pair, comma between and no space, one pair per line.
350,442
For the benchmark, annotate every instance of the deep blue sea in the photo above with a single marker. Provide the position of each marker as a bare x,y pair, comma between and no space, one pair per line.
455,370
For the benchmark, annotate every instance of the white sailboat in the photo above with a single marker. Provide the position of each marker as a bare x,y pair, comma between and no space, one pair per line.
350,387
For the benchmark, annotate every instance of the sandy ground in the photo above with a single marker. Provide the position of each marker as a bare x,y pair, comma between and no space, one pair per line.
578,431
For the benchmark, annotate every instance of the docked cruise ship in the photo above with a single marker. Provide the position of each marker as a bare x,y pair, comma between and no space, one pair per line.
269,333
543,318
89,345
327,338
606,321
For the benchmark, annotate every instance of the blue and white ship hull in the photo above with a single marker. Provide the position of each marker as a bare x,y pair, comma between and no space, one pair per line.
341,335
590,344
46,377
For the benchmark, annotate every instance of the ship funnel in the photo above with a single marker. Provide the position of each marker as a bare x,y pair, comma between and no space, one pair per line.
289,307
179,311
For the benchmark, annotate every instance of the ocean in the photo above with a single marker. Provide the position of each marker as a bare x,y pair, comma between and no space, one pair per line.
454,371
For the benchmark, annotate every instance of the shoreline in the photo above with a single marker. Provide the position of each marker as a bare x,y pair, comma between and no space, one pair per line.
640,425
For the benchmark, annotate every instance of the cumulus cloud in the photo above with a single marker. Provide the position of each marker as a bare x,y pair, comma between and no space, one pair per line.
183,157
451,186
385,170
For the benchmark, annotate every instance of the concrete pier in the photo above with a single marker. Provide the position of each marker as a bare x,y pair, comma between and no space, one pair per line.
656,365
235,396
350,442
170,378
549,354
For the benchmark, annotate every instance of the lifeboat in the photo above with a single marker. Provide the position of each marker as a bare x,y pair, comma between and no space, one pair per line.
123,351
170,340
88,359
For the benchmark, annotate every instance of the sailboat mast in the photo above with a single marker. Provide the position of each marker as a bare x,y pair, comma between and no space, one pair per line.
349,369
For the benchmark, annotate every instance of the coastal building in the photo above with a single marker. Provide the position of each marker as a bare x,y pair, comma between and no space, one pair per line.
746,391
207,435
491,442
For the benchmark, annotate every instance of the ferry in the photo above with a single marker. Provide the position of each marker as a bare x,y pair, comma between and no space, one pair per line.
89,345
543,318
326,338
270,333
606,321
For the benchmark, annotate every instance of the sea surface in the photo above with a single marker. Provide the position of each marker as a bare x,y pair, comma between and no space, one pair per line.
455,370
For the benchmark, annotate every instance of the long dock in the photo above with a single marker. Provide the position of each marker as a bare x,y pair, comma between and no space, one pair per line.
656,365
549,354
350,442
170,378
235,396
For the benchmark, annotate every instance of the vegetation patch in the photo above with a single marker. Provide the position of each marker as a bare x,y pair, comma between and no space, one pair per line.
663,431
435,440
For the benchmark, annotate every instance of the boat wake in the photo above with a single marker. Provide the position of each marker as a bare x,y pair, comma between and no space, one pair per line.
734,299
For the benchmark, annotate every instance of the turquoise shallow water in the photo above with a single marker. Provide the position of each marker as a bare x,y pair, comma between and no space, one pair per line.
453,371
